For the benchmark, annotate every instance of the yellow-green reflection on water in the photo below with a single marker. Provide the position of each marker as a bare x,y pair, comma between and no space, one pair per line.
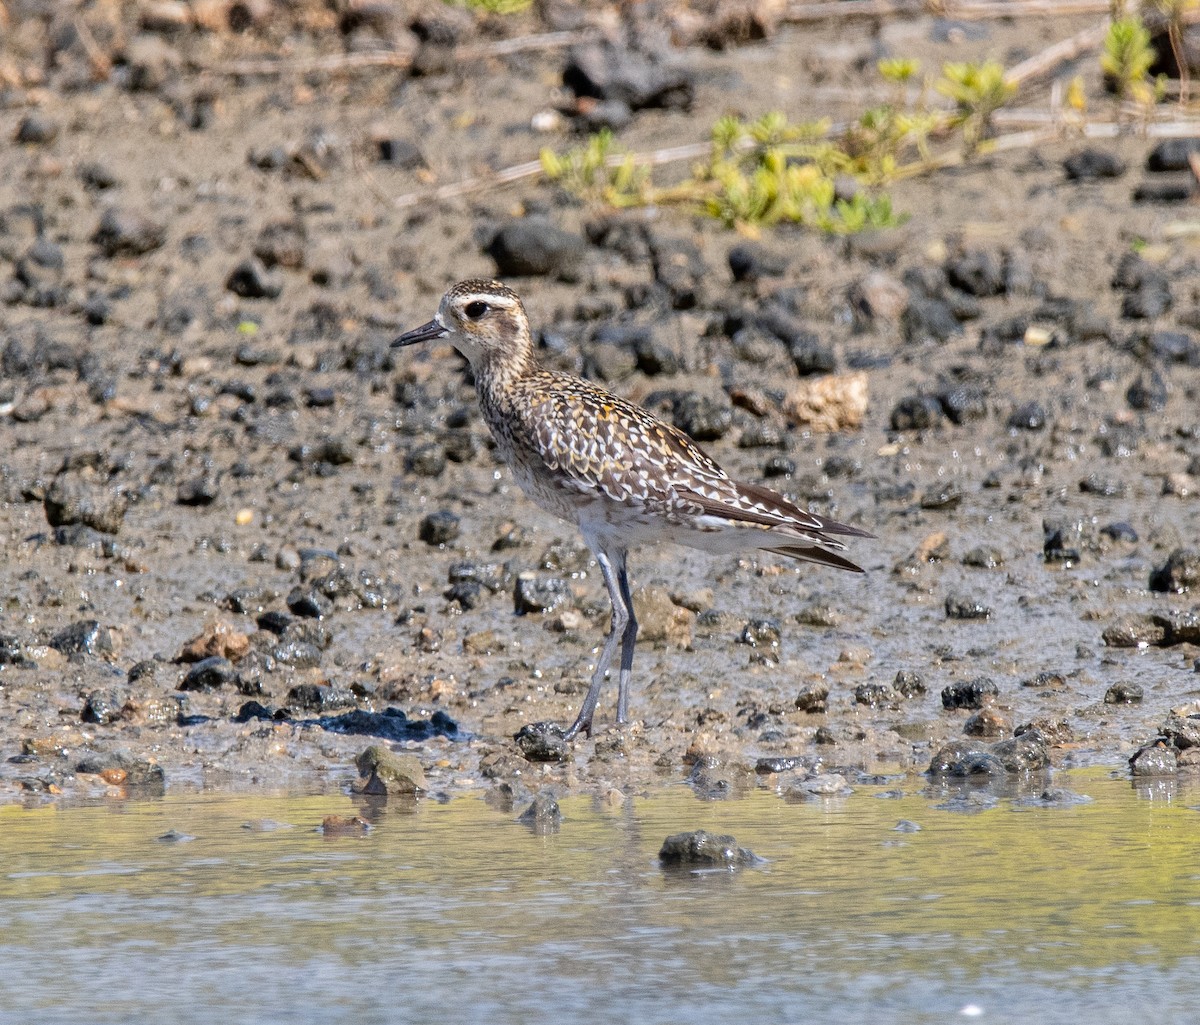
454,912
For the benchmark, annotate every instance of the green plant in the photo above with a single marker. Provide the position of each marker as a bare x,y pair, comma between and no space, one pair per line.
496,6
979,90
1126,59
592,172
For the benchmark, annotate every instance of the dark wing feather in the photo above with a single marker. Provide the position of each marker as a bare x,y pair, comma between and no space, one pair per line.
812,554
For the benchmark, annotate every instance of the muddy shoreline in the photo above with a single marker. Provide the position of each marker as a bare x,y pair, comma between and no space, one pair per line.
239,528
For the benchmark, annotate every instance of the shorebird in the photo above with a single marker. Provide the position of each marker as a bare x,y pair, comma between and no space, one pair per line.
615,470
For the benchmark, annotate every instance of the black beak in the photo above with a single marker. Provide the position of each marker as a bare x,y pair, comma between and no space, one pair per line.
424,333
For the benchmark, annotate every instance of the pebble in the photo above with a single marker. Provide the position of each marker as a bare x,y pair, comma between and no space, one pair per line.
1172,155
876,695
128,233
964,607
984,557
610,71
1133,632
320,697
402,154
209,674
1090,163
81,498
977,273
427,460
701,849
535,594
1154,760
909,683
929,321
83,638
251,279
543,814
199,491
964,758
971,694
916,413
36,129
813,699
542,742
1029,416
308,603
1124,693
1181,572
701,417
1148,393
439,528
987,722
533,247
103,706
963,404
749,261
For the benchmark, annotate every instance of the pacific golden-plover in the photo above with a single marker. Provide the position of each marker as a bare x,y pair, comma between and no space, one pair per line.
618,472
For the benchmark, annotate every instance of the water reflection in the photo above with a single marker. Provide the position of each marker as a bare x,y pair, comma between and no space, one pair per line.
1034,907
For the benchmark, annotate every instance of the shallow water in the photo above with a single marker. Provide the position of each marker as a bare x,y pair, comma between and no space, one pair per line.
1085,912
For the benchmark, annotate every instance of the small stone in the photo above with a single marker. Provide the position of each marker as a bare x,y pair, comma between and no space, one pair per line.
1090,163
1154,760
813,699
219,638
322,698
611,71
837,402
701,417
543,815
199,491
963,404
1181,572
984,557
389,772
750,262
535,594
103,706
987,722
1124,693
963,758
971,694
309,603
251,279
878,298
1148,393
542,742
209,674
1172,155
1030,416
402,154
701,849
535,248
74,498
1133,632
876,695
85,638
439,528
36,129
977,273
916,413
128,233
908,683
963,607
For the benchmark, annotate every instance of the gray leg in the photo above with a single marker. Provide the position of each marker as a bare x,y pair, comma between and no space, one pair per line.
620,618
628,639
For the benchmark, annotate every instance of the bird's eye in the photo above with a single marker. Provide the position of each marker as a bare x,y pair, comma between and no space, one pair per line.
476,309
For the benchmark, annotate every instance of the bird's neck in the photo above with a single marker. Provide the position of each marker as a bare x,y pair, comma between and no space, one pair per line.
497,373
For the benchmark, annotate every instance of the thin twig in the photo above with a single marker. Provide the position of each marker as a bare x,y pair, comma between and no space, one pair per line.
800,11
344,62
1060,53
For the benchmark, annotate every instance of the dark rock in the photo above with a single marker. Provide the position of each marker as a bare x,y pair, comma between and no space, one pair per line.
97,176
36,129
202,490
1167,347
679,268
777,764
750,262
103,706
533,247
701,417
252,280
1120,531
609,71
542,742
1172,155
963,404
1026,753
148,777
320,697
984,557
1154,760
1089,163
255,710
1061,541
987,722
535,594
439,528
1179,573
1182,728
1178,189
1106,487
705,850
876,695
971,694
403,154
12,651
282,244
1148,394
84,638
1031,416
1147,301
813,699
1180,626
809,354
962,607
426,460
209,674
308,603
1123,693
128,233
1133,632
543,815
942,496
390,724
963,758
598,115
908,683
928,319
916,413
977,273
73,498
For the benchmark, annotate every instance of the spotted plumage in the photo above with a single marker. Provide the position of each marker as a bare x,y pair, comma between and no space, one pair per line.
616,470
